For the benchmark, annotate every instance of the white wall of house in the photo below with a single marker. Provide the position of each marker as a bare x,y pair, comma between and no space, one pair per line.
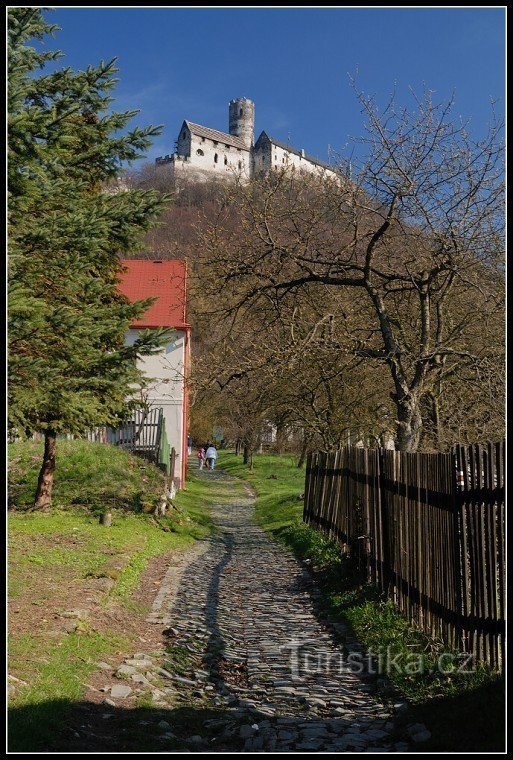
167,389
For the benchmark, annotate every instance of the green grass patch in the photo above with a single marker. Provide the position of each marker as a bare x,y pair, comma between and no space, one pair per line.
88,549
60,674
278,483
463,711
53,555
179,660
92,475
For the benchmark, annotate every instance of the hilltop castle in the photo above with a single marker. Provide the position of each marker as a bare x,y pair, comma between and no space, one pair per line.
202,153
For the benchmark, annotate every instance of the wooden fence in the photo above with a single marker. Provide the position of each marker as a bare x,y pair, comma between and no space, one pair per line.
430,530
144,434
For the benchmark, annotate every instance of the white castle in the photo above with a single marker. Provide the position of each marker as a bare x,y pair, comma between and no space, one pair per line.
202,153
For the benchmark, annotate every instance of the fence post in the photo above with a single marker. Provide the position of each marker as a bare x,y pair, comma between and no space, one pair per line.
386,573
172,463
308,485
459,548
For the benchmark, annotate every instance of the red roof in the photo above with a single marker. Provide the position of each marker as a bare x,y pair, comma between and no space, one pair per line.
143,278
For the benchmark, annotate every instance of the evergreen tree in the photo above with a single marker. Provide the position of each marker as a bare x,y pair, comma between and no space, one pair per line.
69,369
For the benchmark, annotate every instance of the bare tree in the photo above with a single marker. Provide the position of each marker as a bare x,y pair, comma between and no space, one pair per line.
416,237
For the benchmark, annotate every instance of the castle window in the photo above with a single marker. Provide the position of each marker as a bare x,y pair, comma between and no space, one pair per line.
225,160
240,111
215,158
184,135
200,152
240,164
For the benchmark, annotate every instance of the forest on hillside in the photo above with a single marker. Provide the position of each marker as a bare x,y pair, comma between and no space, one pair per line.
368,310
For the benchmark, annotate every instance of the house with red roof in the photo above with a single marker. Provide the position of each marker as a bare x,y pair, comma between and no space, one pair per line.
167,281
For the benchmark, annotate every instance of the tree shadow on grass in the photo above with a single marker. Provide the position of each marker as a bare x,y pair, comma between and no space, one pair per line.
473,721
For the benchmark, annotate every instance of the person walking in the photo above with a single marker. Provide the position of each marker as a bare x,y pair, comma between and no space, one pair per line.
201,458
211,456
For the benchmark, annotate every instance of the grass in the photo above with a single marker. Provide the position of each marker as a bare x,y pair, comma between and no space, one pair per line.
463,711
53,558
278,483
91,475
62,668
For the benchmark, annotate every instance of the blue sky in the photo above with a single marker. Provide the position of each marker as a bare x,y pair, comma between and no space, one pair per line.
178,63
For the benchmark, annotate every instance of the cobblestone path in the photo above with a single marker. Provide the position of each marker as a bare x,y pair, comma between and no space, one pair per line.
244,611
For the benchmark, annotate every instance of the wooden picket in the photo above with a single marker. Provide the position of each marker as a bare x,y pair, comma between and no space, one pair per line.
482,518
144,434
430,529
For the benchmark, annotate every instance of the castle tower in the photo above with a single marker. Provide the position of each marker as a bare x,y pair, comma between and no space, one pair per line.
241,114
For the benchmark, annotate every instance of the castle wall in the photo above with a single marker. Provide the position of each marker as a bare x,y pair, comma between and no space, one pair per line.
270,156
219,159
262,158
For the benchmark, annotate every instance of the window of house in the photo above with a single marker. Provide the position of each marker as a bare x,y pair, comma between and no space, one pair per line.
200,152
215,158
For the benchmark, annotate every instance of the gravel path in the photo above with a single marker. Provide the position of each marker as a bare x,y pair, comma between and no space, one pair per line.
243,612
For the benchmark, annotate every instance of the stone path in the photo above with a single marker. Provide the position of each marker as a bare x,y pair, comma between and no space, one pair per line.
243,624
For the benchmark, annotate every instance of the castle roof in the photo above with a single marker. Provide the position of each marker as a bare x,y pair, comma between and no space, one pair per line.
291,149
166,280
216,135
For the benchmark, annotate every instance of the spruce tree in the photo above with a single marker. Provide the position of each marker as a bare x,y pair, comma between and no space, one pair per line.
69,368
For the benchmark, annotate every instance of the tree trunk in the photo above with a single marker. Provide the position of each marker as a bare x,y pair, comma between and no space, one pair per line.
43,497
248,455
437,422
281,438
409,425
302,456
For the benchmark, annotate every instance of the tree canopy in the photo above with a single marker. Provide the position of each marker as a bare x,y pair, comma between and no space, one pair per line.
69,368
